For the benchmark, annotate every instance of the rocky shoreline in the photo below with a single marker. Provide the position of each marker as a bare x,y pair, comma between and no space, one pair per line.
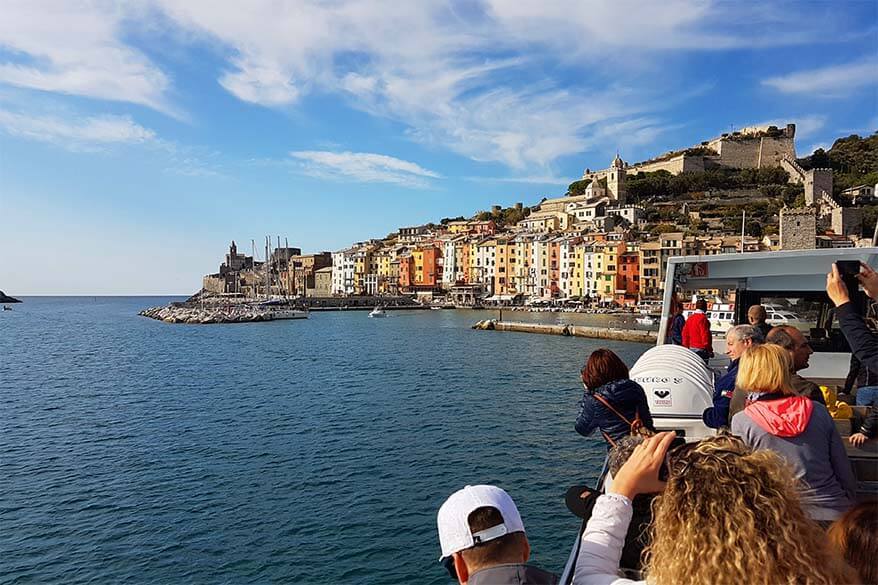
7,299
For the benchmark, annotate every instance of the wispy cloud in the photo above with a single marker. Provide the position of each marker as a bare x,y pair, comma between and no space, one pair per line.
85,133
834,81
533,180
470,77
364,167
77,48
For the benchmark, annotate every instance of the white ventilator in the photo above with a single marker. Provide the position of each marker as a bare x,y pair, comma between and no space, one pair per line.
678,387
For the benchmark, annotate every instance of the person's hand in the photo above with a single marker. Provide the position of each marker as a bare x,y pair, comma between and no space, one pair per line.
639,475
857,439
835,287
869,279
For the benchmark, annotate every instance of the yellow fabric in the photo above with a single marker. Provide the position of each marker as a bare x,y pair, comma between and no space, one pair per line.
837,408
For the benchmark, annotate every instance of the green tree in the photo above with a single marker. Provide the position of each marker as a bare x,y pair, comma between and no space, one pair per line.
578,187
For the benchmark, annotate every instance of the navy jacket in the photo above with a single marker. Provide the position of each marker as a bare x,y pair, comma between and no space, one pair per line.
626,396
863,342
864,345
675,335
718,415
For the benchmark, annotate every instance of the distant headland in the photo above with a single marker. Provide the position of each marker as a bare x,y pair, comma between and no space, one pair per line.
7,299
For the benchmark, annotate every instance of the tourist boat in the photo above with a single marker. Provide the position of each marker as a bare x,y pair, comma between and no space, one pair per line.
721,317
678,386
378,312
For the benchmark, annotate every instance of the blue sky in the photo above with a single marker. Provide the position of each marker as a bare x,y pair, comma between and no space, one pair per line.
138,138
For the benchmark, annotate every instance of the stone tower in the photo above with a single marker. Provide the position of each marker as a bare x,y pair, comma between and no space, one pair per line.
816,182
616,174
798,229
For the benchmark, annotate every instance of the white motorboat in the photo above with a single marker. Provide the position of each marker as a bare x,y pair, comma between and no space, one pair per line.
647,320
378,312
278,314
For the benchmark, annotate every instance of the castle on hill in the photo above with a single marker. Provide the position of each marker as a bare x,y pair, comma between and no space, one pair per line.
749,148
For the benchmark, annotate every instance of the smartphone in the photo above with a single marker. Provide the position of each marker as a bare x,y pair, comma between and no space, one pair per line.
849,269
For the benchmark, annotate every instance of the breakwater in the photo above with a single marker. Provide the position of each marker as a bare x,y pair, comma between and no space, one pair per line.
569,330
208,315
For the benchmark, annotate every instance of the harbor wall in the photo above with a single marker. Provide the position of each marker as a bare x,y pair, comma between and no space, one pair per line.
633,335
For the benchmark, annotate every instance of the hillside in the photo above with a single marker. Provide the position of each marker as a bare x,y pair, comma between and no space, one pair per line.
854,161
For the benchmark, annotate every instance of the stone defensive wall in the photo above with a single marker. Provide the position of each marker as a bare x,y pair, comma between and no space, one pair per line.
750,148
682,163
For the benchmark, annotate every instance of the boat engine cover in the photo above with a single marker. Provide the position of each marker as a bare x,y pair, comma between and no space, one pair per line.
676,381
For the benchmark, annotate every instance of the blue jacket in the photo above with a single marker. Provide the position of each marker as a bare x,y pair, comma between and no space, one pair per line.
718,415
626,396
675,335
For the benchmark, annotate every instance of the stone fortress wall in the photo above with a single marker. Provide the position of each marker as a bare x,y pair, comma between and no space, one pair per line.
749,148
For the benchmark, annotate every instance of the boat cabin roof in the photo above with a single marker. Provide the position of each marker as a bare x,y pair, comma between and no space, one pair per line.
790,270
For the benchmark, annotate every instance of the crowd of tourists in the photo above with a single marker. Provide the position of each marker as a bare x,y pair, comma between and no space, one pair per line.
771,498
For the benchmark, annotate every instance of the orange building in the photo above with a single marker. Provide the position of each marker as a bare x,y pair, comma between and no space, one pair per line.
628,277
427,268
406,272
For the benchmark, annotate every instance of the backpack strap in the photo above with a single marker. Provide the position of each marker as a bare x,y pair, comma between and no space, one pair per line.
606,403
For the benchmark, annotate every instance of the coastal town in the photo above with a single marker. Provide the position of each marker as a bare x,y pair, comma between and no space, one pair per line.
604,243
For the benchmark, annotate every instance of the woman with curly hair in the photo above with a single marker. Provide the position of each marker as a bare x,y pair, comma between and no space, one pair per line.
727,515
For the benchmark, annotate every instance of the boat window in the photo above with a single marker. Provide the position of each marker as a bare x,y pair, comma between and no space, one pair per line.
811,313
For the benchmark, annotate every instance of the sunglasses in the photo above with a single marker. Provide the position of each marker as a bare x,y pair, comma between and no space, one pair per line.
448,563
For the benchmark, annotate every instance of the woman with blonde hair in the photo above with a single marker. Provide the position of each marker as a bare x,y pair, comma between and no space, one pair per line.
797,429
727,515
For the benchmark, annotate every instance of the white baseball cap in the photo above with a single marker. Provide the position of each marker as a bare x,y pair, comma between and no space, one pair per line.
453,518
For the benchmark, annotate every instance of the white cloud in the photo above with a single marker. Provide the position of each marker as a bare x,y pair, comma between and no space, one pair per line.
469,76
834,81
76,47
529,179
87,133
366,167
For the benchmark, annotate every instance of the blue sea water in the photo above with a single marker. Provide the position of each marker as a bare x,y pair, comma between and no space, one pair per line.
312,451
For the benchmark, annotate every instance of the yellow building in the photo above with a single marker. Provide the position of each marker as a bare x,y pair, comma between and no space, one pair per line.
606,266
504,263
382,260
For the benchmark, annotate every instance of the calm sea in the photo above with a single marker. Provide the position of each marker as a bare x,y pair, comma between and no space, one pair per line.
312,451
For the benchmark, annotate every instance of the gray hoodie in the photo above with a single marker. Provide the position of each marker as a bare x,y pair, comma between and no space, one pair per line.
804,434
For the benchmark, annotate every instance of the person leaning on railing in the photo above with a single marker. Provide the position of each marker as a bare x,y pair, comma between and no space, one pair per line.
864,343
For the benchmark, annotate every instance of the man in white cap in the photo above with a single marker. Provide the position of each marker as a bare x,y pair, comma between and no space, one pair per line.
483,541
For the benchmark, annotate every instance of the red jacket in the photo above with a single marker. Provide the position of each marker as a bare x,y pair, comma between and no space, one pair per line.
696,332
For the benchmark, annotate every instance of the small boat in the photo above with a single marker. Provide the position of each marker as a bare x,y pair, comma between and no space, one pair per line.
378,312
7,308
648,320
278,314
435,308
